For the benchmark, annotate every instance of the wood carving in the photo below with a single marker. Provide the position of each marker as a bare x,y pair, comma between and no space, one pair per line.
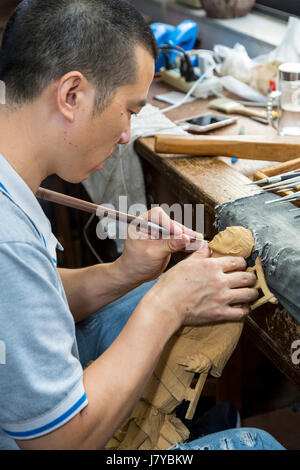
192,350
234,241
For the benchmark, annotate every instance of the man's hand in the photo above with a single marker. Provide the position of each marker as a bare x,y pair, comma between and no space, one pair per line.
202,290
144,258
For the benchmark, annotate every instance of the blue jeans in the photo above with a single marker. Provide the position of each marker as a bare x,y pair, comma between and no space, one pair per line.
233,439
97,333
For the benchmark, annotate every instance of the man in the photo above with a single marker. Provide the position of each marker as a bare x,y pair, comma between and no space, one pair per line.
75,71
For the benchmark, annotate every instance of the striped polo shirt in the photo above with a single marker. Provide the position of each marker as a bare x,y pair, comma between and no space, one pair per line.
40,373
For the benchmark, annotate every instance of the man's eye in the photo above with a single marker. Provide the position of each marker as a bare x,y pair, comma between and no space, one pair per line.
132,113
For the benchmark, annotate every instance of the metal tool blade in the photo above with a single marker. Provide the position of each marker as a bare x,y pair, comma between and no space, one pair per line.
280,183
288,198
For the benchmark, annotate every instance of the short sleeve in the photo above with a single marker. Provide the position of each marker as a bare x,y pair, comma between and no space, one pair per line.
40,372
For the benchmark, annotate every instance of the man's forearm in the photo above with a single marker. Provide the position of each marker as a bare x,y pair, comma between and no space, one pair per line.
90,289
115,381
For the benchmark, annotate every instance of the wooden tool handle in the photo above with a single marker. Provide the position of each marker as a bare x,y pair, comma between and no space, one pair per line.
73,202
277,149
252,112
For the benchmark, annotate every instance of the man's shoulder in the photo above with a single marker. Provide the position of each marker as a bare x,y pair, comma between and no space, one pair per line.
23,251
15,225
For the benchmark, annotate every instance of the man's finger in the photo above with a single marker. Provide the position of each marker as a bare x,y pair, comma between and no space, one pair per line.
203,251
160,217
245,295
236,313
173,245
232,263
187,231
241,279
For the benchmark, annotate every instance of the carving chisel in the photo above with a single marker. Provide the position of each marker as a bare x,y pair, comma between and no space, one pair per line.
291,197
275,185
289,187
282,187
63,199
276,179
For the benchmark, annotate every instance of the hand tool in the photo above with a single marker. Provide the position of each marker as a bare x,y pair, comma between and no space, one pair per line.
278,178
63,199
260,120
277,185
259,147
288,187
253,104
229,106
290,198
281,189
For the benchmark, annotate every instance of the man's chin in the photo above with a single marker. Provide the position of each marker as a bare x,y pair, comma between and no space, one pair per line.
79,179
100,167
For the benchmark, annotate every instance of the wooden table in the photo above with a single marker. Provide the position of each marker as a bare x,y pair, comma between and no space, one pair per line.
212,181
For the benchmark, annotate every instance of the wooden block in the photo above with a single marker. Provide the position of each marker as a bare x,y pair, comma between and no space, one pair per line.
194,396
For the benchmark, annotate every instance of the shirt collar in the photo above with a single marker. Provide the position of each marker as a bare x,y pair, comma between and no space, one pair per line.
15,187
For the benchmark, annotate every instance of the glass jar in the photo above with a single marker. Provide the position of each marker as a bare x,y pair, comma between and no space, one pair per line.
288,100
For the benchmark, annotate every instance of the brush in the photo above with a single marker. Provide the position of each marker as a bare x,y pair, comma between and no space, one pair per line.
232,107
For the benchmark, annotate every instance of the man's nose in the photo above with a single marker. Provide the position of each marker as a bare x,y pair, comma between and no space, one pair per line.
125,137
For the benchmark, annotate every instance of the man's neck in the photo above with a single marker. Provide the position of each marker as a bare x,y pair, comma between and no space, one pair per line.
19,145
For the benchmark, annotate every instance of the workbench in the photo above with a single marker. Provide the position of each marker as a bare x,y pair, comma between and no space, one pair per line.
212,181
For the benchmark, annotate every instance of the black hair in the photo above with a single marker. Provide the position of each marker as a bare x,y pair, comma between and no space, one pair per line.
44,39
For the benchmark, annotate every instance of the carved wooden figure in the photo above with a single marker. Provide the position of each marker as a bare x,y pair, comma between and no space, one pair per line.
192,350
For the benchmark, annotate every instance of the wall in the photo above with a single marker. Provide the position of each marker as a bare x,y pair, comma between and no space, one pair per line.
219,31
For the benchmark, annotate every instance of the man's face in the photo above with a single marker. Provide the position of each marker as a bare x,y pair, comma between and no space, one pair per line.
94,138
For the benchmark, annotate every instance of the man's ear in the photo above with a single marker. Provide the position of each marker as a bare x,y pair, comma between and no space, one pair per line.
70,94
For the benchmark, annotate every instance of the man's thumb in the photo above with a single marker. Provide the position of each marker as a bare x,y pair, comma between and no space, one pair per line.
174,245
203,251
